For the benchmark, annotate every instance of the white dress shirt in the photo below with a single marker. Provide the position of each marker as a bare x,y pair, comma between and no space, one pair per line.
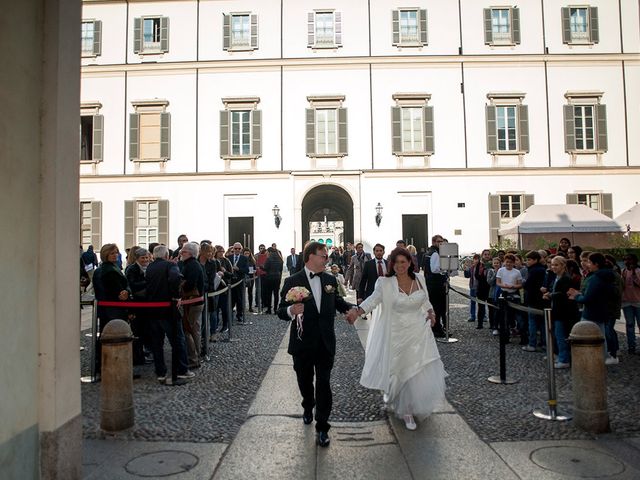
316,289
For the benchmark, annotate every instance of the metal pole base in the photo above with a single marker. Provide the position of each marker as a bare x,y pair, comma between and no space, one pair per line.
88,379
497,379
447,340
227,340
240,324
550,415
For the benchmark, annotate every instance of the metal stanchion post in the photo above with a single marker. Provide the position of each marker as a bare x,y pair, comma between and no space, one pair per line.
447,338
552,403
504,339
94,340
230,315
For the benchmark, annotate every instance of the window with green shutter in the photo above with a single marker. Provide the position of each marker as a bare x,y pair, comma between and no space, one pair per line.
585,123
240,31
507,124
600,202
91,224
150,35
240,128
324,29
409,27
412,125
326,127
501,26
580,25
91,132
150,131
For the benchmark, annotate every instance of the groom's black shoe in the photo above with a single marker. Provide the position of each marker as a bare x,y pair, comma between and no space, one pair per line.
307,417
323,439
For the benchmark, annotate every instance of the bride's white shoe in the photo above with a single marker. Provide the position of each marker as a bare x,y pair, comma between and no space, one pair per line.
409,422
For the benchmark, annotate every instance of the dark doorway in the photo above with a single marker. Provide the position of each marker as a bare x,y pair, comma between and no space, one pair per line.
328,203
415,231
241,230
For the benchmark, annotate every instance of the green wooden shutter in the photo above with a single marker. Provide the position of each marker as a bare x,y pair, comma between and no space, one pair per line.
494,218
527,201
311,131
488,27
515,25
96,224
566,25
163,222
256,132
254,31
523,128
492,134
607,204
601,118
164,34
129,223
429,140
165,136
343,143
134,136
396,130
572,198
569,129
226,32
137,35
311,29
423,26
395,26
224,133
594,24
98,138
97,37
337,16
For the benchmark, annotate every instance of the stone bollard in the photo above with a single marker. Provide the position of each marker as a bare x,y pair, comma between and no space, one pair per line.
116,389
588,375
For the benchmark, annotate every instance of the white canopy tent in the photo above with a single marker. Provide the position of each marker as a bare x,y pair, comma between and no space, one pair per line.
631,218
549,223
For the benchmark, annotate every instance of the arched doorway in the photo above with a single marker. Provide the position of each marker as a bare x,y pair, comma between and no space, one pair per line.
327,213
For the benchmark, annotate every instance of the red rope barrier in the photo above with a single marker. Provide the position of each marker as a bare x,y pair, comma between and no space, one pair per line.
103,303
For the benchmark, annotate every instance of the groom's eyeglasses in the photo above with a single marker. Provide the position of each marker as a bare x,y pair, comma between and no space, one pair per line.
325,256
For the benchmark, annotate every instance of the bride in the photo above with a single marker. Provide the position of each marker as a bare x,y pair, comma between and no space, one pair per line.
401,356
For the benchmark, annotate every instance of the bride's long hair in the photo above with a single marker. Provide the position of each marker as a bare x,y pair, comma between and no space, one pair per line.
395,253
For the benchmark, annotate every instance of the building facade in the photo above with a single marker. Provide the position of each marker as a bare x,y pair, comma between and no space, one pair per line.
199,117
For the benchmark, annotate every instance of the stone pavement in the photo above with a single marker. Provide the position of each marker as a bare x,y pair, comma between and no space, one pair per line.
274,443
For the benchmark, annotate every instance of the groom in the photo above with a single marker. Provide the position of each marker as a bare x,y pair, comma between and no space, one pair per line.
314,348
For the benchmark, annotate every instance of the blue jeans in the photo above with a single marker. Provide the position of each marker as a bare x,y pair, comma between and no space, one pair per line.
631,317
564,351
472,304
536,323
611,337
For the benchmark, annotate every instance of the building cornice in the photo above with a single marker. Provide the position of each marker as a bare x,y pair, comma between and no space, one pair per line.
366,61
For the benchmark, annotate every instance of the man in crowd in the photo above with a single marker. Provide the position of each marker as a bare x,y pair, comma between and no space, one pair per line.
261,258
436,280
354,272
163,282
374,268
239,270
536,272
192,302
182,239
293,262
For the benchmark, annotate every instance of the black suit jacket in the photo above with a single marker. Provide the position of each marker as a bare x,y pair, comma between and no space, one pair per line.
369,277
290,266
316,325
243,267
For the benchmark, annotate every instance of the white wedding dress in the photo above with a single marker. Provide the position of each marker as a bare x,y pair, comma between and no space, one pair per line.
401,357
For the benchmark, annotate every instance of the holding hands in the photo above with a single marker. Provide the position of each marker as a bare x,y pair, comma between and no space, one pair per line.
353,315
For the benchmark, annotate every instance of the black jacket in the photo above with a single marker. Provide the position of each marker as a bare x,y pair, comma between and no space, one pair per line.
317,325
369,278
273,266
535,280
562,308
137,281
163,281
193,276
109,281
599,289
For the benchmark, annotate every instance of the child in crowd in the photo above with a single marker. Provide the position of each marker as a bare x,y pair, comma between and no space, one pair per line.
509,279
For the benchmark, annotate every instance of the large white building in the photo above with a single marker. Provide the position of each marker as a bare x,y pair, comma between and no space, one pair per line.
199,117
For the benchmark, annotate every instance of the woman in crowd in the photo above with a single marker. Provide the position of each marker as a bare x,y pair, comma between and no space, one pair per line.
613,345
631,298
225,273
131,255
210,270
335,271
110,285
564,312
563,247
250,280
414,257
574,253
402,358
273,275
139,318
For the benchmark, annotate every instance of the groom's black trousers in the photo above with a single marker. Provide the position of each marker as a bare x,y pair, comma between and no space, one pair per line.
320,362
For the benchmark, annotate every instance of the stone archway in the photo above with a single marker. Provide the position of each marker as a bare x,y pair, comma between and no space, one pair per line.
328,202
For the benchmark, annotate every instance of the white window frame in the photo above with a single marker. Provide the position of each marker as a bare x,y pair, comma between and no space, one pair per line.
145,229
243,45
416,140
580,37
154,46
581,115
233,105
147,107
409,41
501,37
504,219
501,100
506,129
585,100
325,117
588,199
240,125
84,40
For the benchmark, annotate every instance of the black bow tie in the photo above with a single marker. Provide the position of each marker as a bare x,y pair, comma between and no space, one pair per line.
311,274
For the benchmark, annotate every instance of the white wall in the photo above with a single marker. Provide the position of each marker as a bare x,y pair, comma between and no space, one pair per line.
114,33
633,112
631,25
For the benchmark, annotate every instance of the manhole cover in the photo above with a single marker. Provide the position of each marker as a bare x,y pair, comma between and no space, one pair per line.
577,462
161,464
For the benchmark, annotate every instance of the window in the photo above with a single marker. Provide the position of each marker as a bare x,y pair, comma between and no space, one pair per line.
501,26
91,133
324,29
146,221
580,25
91,38
151,35
90,224
240,128
504,207
507,124
240,31
409,27
412,125
326,127
585,120
600,202
149,131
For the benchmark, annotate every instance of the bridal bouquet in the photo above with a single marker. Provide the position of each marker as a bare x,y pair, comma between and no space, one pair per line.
297,295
